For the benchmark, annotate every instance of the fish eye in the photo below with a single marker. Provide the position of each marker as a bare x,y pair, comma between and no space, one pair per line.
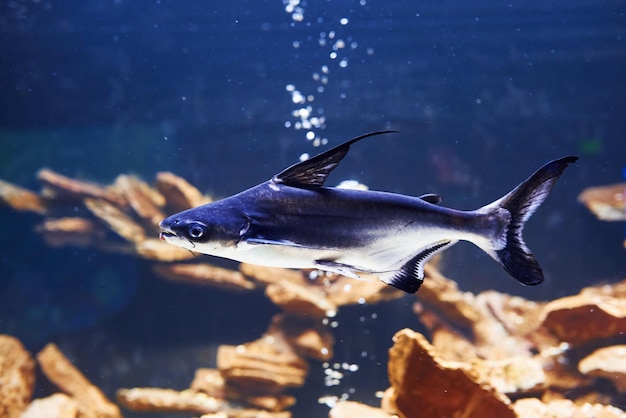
196,231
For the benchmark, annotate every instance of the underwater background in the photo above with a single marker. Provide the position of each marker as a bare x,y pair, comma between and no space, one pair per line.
226,94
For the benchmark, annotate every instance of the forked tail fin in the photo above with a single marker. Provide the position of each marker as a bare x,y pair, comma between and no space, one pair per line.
512,252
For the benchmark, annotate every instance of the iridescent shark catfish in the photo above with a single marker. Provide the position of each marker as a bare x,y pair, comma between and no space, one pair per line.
293,221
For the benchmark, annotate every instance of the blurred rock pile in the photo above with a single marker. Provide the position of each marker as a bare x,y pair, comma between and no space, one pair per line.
487,355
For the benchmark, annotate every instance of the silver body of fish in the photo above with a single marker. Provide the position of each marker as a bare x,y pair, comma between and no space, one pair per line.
293,221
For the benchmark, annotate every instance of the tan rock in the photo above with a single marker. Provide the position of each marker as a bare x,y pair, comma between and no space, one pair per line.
58,405
508,326
155,249
78,232
614,290
210,382
21,199
273,403
603,316
261,367
465,327
17,377
534,408
208,395
609,363
294,290
450,343
560,374
59,187
307,336
116,219
513,375
257,373
350,409
144,201
248,413
442,296
60,371
423,384
178,192
168,400
269,275
303,300
606,202
204,274
343,290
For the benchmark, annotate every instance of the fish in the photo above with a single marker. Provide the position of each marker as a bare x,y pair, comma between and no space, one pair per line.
294,221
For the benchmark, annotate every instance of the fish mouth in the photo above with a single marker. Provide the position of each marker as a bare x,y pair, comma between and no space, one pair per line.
163,235
165,231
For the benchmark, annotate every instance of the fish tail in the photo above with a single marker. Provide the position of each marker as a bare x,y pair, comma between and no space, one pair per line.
508,247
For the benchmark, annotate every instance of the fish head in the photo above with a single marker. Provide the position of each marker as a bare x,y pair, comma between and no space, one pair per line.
206,229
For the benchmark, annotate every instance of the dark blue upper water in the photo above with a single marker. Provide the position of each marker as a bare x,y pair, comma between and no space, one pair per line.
483,93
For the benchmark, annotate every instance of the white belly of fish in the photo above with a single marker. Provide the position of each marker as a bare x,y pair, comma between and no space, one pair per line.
285,256
386,254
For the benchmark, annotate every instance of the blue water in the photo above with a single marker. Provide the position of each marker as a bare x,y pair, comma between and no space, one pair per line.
483,93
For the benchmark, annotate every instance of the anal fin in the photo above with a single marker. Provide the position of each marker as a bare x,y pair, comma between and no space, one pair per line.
410,276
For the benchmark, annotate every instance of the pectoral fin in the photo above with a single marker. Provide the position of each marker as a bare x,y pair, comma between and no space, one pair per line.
410,276
263,241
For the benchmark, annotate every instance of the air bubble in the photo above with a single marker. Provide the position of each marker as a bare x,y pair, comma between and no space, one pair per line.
340,44
297,97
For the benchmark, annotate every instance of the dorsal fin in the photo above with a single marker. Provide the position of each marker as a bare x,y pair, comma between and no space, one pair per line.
411,275
435,199
312,173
